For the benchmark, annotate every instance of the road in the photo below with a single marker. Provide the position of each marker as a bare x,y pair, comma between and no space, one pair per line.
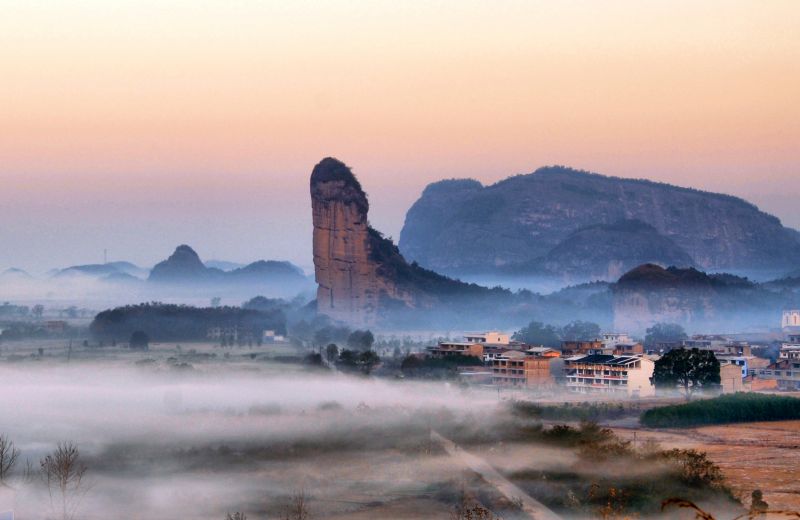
530,506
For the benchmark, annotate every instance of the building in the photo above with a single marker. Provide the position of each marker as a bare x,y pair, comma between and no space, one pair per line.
478,344
55,326
628,349
791,320
612,339
530,369
741,362
575,348
730,376
491,337
607,374
270,338
446,349
786,369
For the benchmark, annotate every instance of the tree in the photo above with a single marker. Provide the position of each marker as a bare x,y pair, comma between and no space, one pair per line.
63,472
360,340
580,331
367,361
8,458
537,333
215,301
689,369
314,359
331,352
664,333
139,340
38,311
297,508
350,360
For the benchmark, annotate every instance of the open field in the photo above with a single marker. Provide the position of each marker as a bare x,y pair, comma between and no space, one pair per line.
196,431
763,456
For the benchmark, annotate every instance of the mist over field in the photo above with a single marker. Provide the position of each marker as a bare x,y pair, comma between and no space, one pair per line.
161,444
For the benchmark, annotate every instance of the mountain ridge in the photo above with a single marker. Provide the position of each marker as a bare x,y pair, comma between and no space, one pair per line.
459,226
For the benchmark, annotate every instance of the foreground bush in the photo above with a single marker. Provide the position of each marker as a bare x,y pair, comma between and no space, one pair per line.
735,408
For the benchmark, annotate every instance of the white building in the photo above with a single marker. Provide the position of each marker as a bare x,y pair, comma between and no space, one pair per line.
604,374
791,320
612,339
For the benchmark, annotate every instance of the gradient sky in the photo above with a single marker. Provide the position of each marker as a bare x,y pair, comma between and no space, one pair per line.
138,125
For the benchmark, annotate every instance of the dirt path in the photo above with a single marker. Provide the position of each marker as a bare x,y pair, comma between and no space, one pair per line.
532,507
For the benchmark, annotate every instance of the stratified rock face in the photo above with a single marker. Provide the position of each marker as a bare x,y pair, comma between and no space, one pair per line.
350,287
461,227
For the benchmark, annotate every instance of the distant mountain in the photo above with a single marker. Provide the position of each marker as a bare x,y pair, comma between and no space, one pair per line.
567,221
15,274
697,300
103,270
606,252
268,268
184,267
223,265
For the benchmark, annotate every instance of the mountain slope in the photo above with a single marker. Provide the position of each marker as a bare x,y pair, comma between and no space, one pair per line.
460,227
606,251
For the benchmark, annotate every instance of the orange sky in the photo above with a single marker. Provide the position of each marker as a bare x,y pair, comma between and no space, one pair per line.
204,118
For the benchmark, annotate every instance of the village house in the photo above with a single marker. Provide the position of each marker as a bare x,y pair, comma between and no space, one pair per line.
575,348
731,379
534,368
485,345
786,369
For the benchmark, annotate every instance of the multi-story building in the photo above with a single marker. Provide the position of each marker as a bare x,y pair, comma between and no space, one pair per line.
575,348
786,370
608,374
447,349
532,369
475,344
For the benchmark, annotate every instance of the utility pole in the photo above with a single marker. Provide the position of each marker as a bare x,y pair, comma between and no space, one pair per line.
105,256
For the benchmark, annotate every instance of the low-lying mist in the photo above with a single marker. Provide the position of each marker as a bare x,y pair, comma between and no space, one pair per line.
198,443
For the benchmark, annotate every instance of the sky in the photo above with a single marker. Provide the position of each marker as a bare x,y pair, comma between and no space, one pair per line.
138,125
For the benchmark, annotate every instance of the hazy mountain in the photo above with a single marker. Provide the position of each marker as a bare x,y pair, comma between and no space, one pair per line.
460,226
697,300
223,265
606,252
15,274
184,267
103,270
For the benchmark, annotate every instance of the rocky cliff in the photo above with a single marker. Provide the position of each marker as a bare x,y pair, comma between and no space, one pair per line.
362,277
460,226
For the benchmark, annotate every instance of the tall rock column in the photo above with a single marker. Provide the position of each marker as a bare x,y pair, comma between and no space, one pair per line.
347,278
